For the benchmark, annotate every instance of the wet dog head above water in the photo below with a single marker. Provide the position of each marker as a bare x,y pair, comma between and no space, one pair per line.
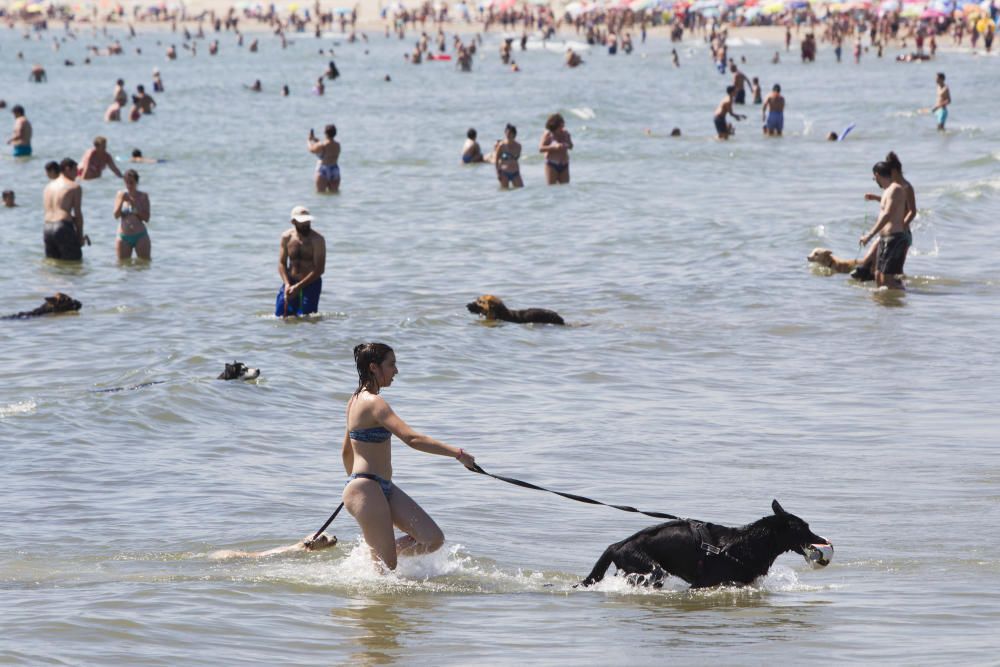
239,371
486,305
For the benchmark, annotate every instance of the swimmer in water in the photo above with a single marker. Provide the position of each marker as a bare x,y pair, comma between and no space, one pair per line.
132,210
96,159
328,154
471,152
940,109
725,108
507,153
138,158
773,112
555,144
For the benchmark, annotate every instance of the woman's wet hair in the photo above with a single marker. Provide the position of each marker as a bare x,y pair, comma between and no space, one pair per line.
883,169
554,122
365,355
471,134
894,162
133,173
510,128
136,153
330,130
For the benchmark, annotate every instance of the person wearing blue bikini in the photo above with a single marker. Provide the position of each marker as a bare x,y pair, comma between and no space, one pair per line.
376,503
556,144
132,212
328,153
507,154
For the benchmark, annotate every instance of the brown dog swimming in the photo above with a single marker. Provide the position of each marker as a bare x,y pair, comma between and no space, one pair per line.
58,303
825,257
493,308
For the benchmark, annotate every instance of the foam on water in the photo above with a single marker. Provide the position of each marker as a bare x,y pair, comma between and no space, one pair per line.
19,408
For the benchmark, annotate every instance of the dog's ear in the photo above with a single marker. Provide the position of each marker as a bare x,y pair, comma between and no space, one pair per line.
778,509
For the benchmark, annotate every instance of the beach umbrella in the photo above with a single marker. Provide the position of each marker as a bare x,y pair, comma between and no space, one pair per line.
774,8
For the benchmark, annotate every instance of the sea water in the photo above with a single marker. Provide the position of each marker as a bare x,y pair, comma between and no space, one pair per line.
707,368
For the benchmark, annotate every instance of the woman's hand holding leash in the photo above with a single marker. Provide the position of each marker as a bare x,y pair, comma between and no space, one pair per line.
466,459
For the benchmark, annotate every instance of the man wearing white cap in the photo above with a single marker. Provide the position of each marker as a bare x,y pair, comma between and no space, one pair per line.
300,264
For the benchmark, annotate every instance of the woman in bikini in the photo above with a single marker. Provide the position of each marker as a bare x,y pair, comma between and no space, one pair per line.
328,152
507,153
556,144
369,495
132,211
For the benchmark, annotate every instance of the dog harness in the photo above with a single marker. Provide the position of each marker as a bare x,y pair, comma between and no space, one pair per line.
706,545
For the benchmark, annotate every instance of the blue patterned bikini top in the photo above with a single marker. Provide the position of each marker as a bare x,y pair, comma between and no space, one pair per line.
374,434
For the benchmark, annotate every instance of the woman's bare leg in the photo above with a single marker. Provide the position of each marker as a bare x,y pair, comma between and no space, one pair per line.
364,499
422,534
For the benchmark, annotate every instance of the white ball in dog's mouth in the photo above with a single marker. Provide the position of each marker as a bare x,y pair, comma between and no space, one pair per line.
818,555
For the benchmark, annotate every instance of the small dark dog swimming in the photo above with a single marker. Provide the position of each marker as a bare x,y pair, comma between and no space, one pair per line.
239,371
707,554
57,303
234,371
493,308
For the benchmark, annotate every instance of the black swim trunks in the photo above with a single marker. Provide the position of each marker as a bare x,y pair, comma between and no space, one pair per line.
892,253
720,124
61,241
741,96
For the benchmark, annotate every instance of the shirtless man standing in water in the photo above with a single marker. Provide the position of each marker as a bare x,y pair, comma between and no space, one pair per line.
328,152
722,129
300,264
63,202
894,240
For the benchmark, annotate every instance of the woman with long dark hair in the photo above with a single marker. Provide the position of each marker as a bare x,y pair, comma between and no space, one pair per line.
373,500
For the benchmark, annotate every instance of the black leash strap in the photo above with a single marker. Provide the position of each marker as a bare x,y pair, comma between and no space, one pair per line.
328,522
528,485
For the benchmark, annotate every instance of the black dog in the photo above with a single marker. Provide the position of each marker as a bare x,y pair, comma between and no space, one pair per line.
492,308
706,554
58,303
239,371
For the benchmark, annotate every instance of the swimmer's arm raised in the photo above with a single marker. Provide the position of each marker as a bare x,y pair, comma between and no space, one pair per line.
315,145
119,201
142,207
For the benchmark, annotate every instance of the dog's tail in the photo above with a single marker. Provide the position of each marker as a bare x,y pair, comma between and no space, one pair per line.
603,563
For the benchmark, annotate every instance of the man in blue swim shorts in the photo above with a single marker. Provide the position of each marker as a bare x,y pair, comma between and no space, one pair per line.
943,100
773,112
20,140
301,263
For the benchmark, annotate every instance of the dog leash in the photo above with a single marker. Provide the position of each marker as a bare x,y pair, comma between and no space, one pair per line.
698,526
572,496
319,532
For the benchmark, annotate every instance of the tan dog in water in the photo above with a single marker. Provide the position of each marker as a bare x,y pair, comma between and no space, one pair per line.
825,257
322,542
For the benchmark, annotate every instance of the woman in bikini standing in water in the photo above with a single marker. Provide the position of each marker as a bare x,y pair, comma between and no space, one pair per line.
507,153
328,152
369,495
556,144
132,210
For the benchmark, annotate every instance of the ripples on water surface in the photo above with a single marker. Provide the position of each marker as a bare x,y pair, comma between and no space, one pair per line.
709,369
